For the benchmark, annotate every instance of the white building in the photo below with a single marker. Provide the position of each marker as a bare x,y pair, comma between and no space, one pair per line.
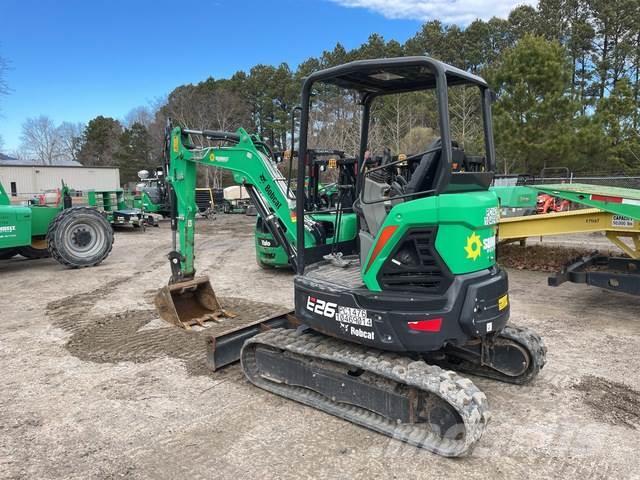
23,181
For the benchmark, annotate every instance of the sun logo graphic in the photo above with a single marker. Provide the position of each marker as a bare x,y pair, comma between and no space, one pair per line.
474,246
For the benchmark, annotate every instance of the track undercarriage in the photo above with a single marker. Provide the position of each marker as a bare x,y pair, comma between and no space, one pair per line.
515,355
420,399
399,396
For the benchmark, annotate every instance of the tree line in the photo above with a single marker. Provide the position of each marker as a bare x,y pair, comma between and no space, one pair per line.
566,74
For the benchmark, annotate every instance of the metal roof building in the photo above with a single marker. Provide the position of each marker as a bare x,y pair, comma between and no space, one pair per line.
24,179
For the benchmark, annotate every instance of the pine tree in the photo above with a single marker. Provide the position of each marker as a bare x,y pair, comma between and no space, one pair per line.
616,114
134,152
100,142
535,113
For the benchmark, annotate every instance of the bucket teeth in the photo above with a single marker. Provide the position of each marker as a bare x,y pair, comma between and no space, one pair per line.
188,303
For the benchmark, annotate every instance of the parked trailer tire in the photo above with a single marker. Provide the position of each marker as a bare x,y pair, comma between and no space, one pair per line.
80,237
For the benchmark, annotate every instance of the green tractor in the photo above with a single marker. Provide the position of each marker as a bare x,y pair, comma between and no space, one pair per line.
151,193
384,321
323,199
74,236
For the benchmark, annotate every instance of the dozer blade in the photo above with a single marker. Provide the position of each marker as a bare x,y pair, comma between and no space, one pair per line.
192,302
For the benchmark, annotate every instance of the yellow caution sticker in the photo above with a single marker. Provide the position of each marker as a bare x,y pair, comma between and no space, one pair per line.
503,302
176,144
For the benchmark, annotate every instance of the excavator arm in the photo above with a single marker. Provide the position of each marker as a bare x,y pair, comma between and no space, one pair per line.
251,162
188,300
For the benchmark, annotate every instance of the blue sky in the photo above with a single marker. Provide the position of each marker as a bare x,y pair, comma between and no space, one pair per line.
75,59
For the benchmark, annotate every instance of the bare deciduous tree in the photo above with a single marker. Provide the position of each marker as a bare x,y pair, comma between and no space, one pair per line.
70,139
142,115
207,107
465,115
4,86
40,140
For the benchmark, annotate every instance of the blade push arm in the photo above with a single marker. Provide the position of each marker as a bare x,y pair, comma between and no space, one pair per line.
252,166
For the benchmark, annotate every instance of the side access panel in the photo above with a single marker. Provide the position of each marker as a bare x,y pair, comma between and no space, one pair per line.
15,226
41,218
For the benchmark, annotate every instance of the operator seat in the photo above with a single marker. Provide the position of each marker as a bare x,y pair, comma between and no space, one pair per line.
424,175
373,215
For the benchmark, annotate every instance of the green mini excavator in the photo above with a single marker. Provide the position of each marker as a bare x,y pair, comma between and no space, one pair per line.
388,315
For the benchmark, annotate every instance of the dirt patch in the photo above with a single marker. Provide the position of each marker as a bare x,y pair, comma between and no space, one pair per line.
613,402
139,335
539,258
70,313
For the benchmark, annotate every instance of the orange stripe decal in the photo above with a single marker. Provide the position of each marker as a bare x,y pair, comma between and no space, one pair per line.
385,235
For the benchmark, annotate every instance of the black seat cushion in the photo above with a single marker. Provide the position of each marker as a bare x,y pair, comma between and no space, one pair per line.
423,176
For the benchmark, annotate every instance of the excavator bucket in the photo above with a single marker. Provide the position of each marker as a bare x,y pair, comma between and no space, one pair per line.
188,303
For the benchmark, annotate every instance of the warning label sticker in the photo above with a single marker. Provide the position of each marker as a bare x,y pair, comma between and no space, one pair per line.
621,222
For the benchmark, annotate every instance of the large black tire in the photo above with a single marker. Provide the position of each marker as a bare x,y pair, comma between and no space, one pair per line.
7,253
34,253
80,237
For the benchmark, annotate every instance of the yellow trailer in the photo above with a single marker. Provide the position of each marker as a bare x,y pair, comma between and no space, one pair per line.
614,211
615,227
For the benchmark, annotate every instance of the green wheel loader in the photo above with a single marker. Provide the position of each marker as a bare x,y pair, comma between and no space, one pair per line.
379,336
74,236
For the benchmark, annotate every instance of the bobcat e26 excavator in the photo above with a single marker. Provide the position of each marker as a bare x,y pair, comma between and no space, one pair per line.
416,295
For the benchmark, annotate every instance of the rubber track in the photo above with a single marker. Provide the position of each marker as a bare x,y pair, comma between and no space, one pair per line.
528,339
468,401
52,244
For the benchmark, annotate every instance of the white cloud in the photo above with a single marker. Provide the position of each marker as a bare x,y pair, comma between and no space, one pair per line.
448,11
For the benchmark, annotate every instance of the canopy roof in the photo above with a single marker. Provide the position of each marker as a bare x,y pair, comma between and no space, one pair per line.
393,75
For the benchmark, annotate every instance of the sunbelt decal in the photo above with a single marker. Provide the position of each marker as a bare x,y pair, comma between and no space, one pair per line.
476,245
7,229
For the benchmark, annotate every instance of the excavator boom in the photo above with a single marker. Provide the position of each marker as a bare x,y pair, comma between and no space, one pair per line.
189,300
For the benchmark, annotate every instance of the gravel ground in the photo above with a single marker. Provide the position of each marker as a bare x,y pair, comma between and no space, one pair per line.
94,385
